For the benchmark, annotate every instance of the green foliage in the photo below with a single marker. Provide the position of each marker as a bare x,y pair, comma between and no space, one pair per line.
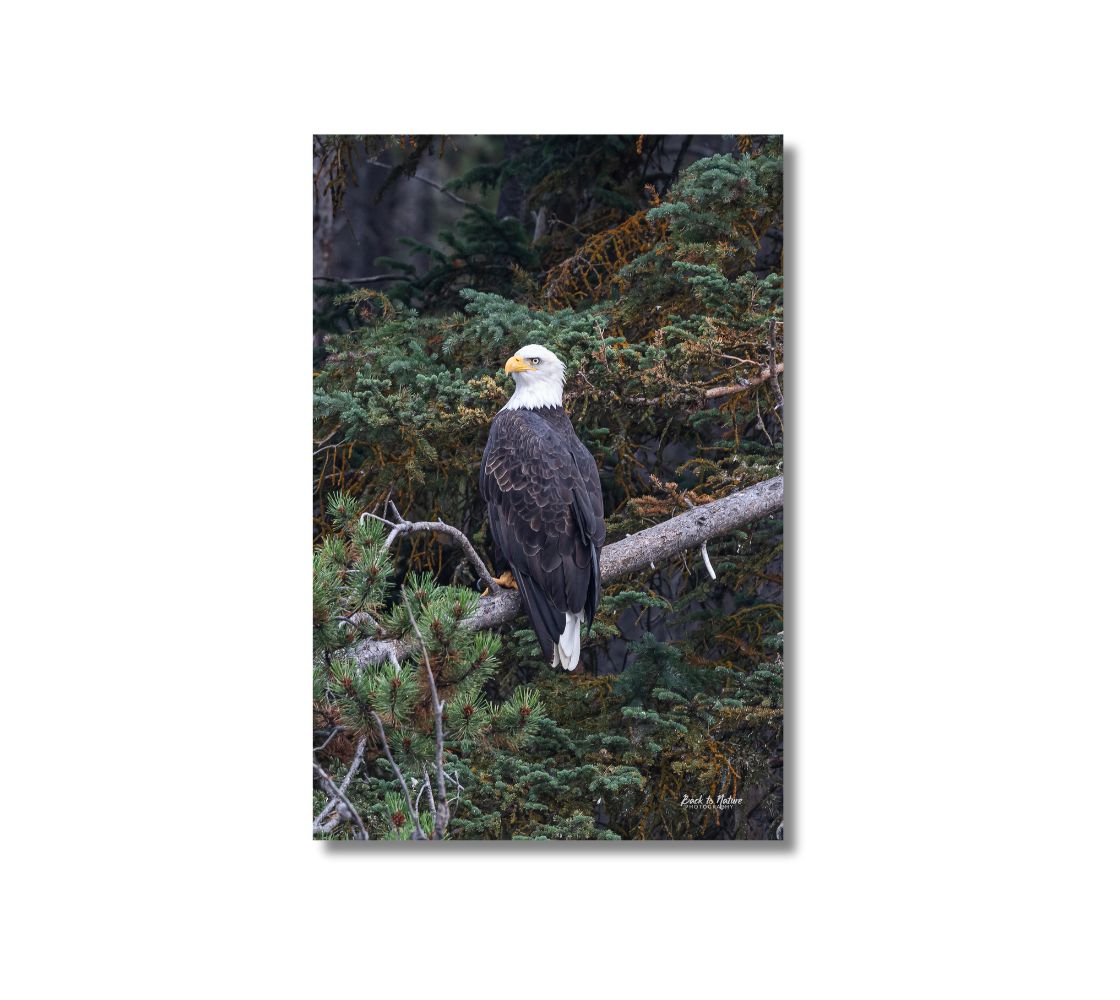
484,740
483,251
657,287
657,672
708,203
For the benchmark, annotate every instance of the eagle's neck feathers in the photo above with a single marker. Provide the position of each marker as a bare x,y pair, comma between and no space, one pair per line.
536,395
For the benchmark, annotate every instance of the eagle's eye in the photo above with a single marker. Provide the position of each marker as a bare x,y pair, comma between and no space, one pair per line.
534,361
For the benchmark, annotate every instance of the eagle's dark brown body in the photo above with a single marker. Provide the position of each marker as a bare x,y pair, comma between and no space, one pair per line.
545,504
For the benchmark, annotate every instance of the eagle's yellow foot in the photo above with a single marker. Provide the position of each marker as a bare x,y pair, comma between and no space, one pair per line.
505,580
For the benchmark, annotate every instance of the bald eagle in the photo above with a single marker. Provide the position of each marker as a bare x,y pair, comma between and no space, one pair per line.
545,504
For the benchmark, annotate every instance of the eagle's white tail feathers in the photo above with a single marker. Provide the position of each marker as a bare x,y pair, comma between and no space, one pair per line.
567,648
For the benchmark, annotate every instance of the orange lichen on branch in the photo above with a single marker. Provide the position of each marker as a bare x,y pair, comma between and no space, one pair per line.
592,272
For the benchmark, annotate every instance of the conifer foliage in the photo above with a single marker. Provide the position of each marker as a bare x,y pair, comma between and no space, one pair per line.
653,266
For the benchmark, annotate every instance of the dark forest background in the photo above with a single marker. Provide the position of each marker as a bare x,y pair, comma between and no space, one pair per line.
653,266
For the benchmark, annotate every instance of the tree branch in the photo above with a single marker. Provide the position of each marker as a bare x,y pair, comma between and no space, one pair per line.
417,831
340,800
426,180
774,366
635,552
369,279
402,527
767,373
332,803
715,393
359,756
440,812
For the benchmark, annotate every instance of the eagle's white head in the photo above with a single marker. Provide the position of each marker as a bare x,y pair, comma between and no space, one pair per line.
539,378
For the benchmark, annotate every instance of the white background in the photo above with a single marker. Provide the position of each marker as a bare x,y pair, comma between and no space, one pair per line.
951,256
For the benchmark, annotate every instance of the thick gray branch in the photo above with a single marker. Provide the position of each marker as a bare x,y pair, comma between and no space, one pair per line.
690,529
630,554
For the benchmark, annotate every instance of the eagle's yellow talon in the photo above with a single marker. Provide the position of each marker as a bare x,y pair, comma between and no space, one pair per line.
505,580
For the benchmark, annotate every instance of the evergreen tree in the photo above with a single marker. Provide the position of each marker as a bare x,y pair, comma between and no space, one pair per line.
662,290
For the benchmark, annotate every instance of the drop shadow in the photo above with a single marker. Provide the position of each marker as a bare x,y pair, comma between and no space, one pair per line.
788,846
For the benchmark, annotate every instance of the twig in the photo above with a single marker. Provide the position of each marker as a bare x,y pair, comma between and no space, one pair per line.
359,281
426,180
359,756
742,361
340,796
707,561
331,736
760,422
774,366
458,786
402,527
331,803
419,833
428,786
323,815
441,814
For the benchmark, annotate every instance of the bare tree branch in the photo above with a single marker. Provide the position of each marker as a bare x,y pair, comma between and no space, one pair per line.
370,279
427,180
334,732
718,391
774,366
333,790
635,552
764,376
440,813
359,755
426,787
418,832
707,560
331,803
402,527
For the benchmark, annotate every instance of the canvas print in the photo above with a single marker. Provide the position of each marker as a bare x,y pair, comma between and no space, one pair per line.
547,488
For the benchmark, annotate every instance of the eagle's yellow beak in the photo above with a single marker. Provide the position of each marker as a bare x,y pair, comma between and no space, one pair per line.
516,364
